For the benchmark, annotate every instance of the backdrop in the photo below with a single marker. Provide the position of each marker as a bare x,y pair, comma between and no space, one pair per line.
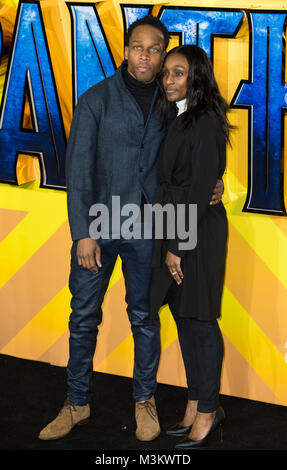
51,51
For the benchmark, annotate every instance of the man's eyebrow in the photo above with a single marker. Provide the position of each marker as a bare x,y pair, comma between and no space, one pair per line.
154,44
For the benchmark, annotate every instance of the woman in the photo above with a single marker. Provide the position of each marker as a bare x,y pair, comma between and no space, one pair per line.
192,158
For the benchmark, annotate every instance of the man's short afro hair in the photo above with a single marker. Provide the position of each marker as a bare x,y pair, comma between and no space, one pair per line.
150,21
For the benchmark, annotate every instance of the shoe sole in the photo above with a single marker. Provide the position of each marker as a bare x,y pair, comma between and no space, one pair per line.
80,423
150,439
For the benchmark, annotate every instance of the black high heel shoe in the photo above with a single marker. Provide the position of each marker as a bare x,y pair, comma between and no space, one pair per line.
178,430
218,421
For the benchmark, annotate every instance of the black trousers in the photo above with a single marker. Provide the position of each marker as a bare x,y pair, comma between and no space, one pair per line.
201,345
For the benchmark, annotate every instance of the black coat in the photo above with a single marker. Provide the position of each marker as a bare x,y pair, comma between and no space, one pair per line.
190,163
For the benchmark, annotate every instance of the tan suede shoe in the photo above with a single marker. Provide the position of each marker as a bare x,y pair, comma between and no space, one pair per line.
147,421
69,416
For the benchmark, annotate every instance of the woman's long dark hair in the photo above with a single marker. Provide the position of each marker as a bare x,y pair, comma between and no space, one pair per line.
203,95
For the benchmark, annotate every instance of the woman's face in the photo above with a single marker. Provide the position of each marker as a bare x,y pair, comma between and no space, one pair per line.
175,73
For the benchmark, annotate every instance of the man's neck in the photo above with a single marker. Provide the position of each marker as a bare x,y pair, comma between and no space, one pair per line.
133,79
143,93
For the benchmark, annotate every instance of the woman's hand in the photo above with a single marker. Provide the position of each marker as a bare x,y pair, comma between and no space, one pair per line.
173,264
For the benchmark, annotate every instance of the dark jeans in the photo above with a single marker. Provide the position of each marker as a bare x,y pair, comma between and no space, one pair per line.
202,351
88,292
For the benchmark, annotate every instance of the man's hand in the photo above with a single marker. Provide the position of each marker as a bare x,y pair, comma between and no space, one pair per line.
89,254
173,263
217,193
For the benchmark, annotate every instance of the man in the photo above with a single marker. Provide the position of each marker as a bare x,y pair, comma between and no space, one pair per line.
113,145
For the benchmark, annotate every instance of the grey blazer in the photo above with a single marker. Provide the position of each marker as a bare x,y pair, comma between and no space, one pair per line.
110,152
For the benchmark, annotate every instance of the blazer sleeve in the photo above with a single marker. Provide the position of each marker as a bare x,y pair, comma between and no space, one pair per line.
207,146
80,167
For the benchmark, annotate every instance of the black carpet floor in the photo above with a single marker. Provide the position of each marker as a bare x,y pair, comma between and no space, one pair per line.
33,392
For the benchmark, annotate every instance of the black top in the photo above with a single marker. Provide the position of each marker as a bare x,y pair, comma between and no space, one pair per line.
190,163
142,92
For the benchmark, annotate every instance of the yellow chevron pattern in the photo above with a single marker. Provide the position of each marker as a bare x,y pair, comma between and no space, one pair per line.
35,243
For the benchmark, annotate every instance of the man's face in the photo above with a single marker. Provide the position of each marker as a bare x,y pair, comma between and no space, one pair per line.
145,53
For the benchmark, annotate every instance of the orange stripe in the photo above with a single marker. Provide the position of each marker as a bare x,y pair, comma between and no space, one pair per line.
57,353
33,286
240,380
8,220
281,223
171,369
114,329
257,289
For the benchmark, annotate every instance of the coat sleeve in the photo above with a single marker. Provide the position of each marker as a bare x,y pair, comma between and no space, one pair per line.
207,145
80,167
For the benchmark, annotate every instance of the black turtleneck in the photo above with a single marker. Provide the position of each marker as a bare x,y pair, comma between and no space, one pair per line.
142,92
